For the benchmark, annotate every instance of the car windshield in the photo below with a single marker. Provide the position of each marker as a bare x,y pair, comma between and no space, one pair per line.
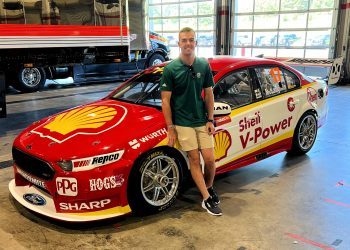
143,89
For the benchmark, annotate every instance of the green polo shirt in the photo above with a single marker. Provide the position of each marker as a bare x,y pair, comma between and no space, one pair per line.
187,105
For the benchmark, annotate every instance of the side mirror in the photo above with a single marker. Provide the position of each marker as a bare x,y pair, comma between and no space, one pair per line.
221,108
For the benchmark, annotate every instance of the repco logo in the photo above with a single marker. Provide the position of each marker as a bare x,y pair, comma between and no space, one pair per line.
106,158
96,161
67,186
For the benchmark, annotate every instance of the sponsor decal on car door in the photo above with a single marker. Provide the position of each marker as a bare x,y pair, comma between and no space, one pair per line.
235,133
281,106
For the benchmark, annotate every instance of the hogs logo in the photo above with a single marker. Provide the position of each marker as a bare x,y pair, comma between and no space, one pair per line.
85,120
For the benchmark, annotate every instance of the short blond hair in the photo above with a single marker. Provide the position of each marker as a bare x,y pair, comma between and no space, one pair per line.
187,29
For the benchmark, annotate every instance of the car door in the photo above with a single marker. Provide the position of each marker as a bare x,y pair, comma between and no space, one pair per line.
280,108
234,138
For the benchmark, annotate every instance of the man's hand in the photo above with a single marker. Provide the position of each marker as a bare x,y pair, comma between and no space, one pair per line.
171,137
210,128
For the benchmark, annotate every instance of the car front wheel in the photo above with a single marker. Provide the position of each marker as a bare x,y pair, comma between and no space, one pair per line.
305,134
154,182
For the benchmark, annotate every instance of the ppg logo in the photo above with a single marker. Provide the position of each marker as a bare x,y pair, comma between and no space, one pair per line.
67,186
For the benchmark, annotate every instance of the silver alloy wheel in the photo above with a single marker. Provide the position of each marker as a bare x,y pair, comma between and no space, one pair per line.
156,62
160,180
307,132
31,76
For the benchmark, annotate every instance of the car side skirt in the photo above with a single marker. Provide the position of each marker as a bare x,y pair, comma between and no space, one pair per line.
258,155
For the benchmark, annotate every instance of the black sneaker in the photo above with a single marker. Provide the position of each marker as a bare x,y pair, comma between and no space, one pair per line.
214,195
211,206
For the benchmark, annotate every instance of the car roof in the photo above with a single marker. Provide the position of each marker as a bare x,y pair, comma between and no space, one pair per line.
223,64
217,63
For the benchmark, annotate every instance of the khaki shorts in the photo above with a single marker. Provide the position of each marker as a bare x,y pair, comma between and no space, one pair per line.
194,138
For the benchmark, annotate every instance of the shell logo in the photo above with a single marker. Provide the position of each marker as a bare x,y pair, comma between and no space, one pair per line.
83,120
222,142
88,117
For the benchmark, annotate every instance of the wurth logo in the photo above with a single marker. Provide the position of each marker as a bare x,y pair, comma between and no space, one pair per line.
153,135
67,186
136,143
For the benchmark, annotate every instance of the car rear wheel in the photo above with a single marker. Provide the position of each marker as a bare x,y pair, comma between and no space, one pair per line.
154,182
305,134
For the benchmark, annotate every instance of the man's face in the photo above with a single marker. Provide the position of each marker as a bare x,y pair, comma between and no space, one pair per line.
187,43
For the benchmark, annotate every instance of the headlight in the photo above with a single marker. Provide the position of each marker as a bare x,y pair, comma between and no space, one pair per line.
65,165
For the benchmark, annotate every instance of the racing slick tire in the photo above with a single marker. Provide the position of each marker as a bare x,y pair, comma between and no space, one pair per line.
304,134
156,59
29,79
154,182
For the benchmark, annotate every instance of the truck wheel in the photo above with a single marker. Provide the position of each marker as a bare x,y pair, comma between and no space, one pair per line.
155,60
30,79
154,182
304,135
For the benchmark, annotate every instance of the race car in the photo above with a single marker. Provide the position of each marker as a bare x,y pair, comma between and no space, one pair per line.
110,157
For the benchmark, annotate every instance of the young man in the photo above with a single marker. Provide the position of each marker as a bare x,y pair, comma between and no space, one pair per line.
189,118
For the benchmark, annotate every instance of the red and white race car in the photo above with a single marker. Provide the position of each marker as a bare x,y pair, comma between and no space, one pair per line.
110,157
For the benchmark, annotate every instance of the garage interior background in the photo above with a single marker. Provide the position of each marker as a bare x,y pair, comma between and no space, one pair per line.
264,203
272,28
304,29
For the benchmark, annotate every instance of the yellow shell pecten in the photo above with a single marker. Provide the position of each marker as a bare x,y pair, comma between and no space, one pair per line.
85,117
222,142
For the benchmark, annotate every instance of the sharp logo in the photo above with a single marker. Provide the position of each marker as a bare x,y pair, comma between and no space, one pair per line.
106,183
92,205
67,186
96,161
136,143
31,179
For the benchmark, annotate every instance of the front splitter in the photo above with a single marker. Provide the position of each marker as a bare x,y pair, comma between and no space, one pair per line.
48,208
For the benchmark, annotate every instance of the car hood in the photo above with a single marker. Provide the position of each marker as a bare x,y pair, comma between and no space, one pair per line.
98,128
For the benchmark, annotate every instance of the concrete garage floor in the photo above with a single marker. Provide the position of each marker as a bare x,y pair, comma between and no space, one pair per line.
278,203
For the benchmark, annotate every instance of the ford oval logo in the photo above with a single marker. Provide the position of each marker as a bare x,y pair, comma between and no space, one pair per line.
35,199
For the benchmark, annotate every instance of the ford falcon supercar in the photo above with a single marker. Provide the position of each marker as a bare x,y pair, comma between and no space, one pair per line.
110,157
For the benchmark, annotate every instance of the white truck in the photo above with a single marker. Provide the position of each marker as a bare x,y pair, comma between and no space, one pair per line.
89,40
